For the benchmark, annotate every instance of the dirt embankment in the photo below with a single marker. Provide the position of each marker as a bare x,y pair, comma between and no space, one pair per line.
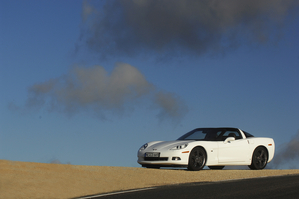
20,180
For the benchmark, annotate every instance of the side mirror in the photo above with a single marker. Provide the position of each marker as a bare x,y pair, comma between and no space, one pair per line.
229,139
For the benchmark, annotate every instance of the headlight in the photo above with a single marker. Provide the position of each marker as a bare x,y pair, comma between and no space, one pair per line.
143,147
179,147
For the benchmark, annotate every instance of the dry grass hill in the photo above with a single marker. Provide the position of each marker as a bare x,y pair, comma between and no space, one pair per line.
21,180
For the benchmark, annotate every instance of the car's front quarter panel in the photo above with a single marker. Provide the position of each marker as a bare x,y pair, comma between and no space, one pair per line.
211,149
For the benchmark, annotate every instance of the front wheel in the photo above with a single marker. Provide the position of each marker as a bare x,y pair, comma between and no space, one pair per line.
259,159
197,159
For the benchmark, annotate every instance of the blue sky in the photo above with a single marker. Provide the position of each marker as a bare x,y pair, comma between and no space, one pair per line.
238,74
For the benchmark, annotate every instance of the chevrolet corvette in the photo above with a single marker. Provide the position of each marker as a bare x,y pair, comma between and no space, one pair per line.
212,147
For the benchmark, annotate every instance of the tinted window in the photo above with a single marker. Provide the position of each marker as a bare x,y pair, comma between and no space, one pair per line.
229,133
194,135
202,134
247,134
235,134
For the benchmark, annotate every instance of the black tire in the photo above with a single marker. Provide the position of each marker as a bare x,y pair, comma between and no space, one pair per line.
259,158
197,159
216,167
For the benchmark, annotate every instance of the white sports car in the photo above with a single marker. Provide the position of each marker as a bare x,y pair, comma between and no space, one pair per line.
212,147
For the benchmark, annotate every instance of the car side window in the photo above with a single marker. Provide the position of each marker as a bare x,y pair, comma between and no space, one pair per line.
219,135
212,135
234,134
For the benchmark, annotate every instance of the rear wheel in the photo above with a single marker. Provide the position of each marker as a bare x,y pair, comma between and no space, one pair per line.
197,159
216,167
259,158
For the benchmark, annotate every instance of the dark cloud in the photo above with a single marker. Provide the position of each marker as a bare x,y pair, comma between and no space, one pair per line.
170,106
164,27
95,91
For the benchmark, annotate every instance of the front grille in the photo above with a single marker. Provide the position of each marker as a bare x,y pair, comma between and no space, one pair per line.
155,159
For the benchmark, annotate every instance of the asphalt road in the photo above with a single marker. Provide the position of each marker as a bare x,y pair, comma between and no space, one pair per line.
268,187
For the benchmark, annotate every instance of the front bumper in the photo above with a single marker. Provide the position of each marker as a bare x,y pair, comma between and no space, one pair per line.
169,158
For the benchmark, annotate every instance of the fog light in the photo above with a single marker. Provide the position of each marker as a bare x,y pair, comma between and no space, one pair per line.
176,158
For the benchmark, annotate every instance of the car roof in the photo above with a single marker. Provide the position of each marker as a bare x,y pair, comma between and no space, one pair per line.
220,128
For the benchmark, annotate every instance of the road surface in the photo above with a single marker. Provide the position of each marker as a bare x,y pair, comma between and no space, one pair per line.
267,187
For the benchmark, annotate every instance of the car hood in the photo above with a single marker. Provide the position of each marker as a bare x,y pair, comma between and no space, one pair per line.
167,144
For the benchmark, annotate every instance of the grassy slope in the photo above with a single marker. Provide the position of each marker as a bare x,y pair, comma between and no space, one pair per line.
39,180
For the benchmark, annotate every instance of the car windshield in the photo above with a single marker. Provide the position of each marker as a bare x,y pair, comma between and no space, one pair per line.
208,134
213,134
